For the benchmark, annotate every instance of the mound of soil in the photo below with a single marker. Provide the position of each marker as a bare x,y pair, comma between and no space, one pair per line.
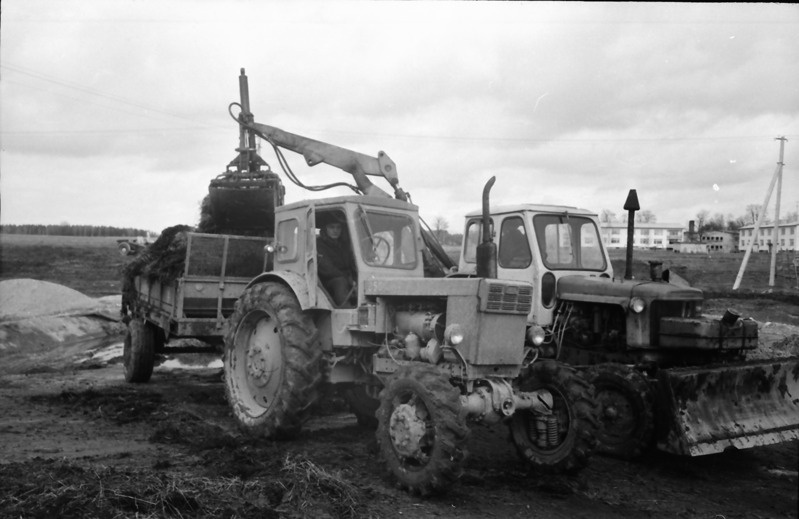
26,298
45,324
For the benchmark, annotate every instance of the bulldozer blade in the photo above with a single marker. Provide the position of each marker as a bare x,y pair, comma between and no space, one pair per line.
711,409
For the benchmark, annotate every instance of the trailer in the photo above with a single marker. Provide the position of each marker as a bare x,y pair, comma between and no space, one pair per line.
216,269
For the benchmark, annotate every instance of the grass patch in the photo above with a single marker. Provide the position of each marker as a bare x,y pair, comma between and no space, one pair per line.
309,486
60,489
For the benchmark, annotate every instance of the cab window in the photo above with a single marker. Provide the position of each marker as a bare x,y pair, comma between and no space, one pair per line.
386,239
569,242
472,239
514,250
287,234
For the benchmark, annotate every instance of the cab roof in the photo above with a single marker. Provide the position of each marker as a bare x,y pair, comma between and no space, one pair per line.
533,208
372,201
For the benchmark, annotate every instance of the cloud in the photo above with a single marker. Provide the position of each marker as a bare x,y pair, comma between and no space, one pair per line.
568,103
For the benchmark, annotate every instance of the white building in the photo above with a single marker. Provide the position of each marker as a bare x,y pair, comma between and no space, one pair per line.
787,237
647,235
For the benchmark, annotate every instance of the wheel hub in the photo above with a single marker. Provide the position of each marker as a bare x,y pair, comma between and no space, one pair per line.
256,366
261,355
407,430
617,413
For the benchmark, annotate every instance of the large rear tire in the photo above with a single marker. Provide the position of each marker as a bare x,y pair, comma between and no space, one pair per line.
138,352
626,402
422,431
272,362
571,437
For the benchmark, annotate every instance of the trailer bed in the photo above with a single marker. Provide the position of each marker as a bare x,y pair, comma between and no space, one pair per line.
217,269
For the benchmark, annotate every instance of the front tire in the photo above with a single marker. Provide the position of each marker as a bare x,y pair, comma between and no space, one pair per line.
272,362
138,352
571,436
422,429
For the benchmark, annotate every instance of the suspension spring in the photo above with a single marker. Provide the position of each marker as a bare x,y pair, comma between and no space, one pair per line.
540,432
553,437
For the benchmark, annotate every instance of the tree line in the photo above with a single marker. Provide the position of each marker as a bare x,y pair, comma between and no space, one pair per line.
66,229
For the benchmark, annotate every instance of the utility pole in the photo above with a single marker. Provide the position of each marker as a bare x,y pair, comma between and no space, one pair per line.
777,174
776,246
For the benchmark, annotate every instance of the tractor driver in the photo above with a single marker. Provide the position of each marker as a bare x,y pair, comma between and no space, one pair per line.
335,263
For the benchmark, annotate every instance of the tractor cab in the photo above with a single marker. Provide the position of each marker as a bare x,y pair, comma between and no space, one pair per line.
380,237
539,243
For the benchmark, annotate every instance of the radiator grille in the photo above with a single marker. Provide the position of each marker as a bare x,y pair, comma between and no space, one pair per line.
514,299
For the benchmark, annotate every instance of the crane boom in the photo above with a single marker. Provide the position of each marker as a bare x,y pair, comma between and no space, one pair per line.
357,164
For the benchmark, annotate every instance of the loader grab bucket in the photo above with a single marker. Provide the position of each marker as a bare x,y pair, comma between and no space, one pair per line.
245,204
243,198
710,409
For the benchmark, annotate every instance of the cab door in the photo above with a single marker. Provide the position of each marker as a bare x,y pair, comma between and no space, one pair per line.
295,246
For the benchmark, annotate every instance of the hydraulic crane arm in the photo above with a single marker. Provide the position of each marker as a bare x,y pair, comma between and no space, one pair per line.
356,164
359,165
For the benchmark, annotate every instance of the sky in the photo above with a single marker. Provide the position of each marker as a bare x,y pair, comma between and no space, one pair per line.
115,112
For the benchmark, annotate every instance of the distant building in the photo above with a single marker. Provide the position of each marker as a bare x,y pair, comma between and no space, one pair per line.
787,237
646,235
720,241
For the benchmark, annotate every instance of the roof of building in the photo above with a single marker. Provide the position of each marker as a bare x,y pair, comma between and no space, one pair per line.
770,224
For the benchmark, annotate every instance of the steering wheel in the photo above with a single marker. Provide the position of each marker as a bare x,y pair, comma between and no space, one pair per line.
380,249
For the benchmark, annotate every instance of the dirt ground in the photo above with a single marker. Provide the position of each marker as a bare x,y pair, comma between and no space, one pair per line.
77,441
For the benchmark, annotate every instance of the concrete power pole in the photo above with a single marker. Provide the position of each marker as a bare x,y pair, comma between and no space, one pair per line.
777,174
776,244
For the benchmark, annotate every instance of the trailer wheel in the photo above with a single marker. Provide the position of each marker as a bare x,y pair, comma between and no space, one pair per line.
272,362
626,414
364,400
422,431
138,352
124,249
571,429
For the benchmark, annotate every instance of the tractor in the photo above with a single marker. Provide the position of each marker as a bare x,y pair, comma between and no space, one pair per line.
665,375
418,354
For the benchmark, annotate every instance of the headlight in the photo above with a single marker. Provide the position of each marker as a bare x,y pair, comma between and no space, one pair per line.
697,309
637,305
536,335
453,334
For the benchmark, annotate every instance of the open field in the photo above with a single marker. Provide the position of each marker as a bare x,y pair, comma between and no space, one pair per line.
89,265
77,441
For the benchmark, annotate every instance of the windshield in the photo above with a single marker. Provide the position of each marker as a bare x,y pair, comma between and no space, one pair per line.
387,240
569,242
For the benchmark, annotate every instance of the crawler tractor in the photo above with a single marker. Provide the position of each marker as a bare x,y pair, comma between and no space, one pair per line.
664,374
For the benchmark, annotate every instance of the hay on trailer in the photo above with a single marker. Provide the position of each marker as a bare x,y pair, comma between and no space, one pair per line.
165,260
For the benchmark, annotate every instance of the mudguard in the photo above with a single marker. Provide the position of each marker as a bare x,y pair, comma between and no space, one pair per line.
710,409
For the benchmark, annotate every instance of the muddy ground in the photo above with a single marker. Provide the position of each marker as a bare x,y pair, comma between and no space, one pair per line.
77,441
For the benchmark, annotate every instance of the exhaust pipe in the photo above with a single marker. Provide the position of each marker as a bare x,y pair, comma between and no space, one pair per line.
631,206
487,250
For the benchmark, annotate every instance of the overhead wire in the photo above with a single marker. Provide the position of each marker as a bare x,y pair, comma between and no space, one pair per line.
149,110
456,138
